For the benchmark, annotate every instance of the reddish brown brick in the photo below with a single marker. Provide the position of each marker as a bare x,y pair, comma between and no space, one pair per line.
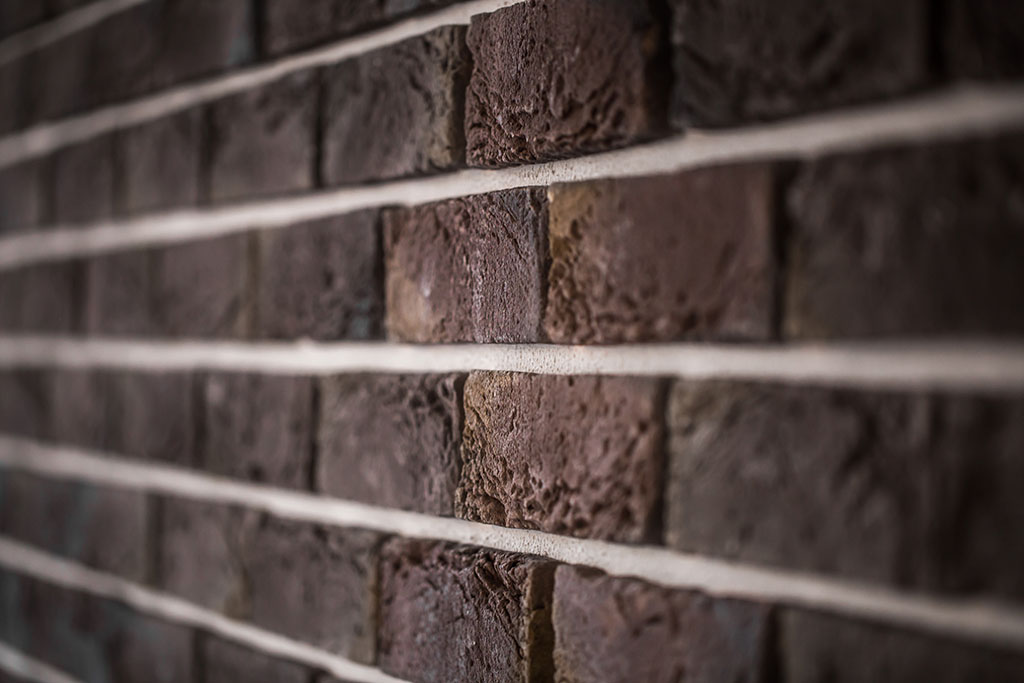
621,630
44,298
846,482
83,181
568,455
391,440
553,79
682,256
467,269
450,613
909,241
321,280
159,163
985,38
736,63
413,93
226,662
23,196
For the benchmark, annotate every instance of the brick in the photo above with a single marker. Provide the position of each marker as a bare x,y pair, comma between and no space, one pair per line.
619,630
84,409
569,455
23,196
226,662
984,38
24,403
908,241
736,63
57,7
202,37
816,647
257,427
321,280
119,299
123,54
683,256
83,181
59,78
391,440
846,482
397,111
41,298
14,95
262,141
17,15
159,163
553,79
451,613
467,270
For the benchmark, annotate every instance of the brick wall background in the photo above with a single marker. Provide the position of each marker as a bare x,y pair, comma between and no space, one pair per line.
544,340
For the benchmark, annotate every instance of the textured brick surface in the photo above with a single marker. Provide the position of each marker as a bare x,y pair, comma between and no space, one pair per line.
24,403
159,163
846,482
42,298
321,280
83,181
257,427
736,63
200,37
985,38
621,630
261,141
662,258
456,614
391,440
23,196
413,94
226,662
569,455
123,54
909,241
467,269
555,78
817,647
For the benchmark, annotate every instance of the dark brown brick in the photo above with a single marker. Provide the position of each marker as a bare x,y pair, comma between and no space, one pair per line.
397,111
17,15
41,298
226,662
119,298
985,38
554,79
136,647
321,280
262,140
25,403
200,37
159,163
83,181
568,455
23,196
849,483
391,440
621,630
258,427
123,54
59,82
457,614
736,62
682,256
818,647
14,94
467,269
909,241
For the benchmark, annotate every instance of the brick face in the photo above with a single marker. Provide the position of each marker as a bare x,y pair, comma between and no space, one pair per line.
83,182
42,298
569,455
24,197
159,163
225,662
984,38
24,403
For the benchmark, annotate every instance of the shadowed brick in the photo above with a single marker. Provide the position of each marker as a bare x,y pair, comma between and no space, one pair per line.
14,93
612,630
41,298
985,38
25,403
159,163
17,15
23,196
391,440
689,255
467,269
124,52
200,37
83,181
556,78
59,78
137,647
451,613
226,662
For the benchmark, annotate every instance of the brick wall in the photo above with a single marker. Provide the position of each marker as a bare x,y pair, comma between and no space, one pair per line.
497,340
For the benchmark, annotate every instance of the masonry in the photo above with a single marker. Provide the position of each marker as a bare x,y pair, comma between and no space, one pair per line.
511,340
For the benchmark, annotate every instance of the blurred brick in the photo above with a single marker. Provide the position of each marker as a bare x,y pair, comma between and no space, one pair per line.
59,78
25,403
226,662
42,298
24,198
17,15
159,163
83,181
984,38
201,38
123,53
14,94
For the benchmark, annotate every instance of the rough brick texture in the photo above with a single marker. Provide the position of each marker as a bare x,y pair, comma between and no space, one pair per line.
662,258
847,482
909,242
391,440
159,163
612,630
83,181
449,613
321,280
556,78
413,92
736,62
42,298
569,455
985,38
224,662
24,197
467,269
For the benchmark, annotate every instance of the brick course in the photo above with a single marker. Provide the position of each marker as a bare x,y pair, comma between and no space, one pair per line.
159,163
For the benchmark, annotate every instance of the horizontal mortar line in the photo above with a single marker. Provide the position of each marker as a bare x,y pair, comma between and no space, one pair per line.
25,559
20,665
46,137
36,37
966,365
954,112
985,621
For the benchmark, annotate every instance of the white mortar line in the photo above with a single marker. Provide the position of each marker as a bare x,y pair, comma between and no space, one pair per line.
47,137
972,619
966,365
36,37
952,113
24,559
21,666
